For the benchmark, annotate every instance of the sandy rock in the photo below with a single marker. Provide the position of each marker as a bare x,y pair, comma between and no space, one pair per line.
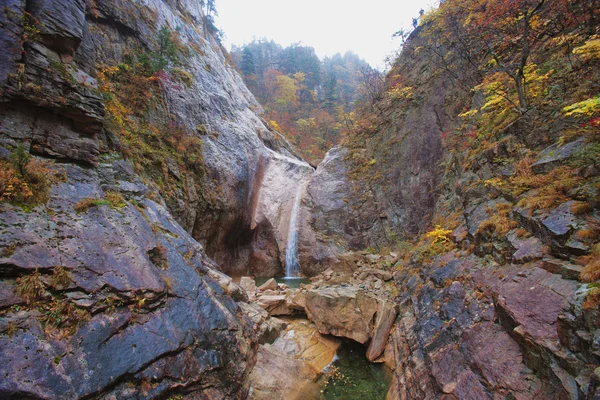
386,315
267,328
276,376
271,284
292,363
342,311
296,299
275,304
249,285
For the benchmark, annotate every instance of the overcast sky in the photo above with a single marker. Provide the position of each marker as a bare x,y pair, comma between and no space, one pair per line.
330,26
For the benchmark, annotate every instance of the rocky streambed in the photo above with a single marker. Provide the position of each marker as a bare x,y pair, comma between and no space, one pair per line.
325,339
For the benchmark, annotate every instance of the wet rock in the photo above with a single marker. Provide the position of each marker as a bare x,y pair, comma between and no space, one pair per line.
181,315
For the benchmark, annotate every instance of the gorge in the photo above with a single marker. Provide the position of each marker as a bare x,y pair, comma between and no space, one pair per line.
453,234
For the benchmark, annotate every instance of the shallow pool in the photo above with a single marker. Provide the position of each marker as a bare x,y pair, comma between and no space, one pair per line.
352,376
293,283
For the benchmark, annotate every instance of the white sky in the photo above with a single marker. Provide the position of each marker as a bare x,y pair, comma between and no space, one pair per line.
330,26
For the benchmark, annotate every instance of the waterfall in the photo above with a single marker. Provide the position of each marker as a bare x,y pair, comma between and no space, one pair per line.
292,266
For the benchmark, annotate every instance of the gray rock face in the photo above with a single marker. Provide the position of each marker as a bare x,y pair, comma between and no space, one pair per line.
176,325
328,225
555,154
61,22
51,74
149,314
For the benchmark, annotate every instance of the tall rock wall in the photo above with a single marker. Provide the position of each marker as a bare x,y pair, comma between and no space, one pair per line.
106,288
382,185
49,72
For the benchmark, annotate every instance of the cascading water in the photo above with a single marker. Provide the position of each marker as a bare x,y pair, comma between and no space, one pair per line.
292,266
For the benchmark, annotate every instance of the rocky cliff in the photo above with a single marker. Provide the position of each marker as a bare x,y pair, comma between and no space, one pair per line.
130,150
492,212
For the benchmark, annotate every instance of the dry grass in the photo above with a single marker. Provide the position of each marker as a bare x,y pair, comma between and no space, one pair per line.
581,207
499,223
591,271
60,278
588,235
115,199
592,299
30,287
591,262
111,198
60,318
550,189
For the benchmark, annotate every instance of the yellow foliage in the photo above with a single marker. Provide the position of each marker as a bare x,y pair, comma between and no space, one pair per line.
591,48
439,234
583,108
405,93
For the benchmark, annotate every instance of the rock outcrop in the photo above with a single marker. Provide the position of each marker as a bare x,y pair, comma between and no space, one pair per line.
289,367
137,304
466,328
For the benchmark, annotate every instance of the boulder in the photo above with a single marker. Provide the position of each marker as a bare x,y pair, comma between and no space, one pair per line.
271,284
249,285
342,311
267,328
386,315
275,304
555,154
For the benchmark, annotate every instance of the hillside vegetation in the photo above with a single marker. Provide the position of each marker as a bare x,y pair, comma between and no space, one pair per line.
503,81
306,99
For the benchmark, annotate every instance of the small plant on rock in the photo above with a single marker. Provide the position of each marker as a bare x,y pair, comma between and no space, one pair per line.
158,256
30,287
439,234
60,278
591,271
25,180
